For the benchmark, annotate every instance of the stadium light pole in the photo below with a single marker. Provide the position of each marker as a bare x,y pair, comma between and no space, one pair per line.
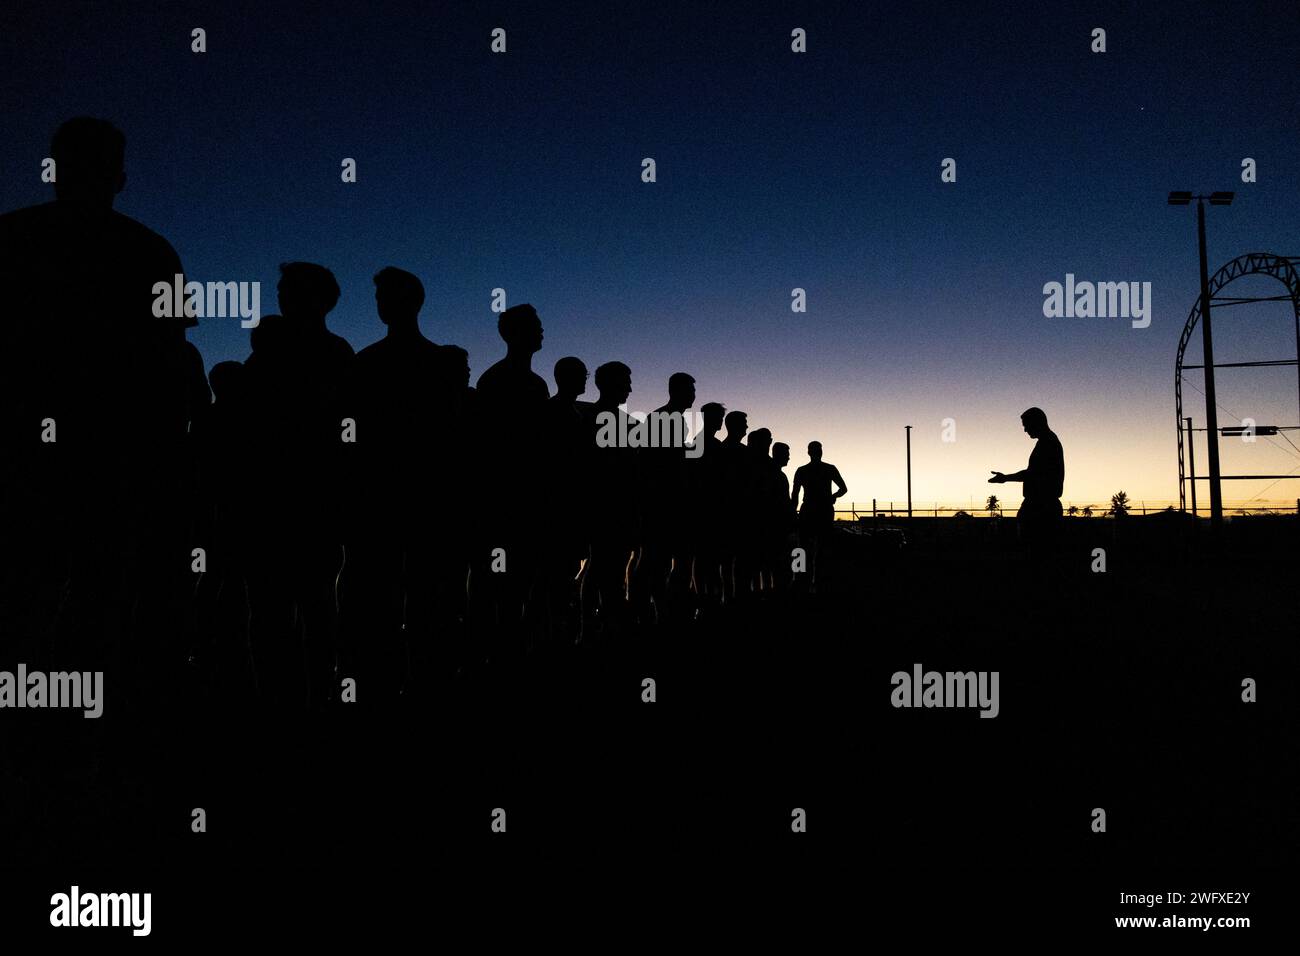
1183,198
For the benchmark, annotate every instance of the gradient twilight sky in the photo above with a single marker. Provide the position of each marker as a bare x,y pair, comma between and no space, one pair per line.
775,170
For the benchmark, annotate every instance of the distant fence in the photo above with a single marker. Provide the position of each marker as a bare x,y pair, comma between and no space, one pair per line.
891,509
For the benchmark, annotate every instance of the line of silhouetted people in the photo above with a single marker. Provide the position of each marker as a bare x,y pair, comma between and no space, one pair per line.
334,514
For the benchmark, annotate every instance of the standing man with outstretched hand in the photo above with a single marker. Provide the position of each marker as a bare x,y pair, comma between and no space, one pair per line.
1044,479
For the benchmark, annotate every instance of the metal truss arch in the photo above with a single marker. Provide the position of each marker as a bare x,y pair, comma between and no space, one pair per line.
1282,268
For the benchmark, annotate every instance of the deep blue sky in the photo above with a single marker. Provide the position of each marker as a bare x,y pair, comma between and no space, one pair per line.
775,170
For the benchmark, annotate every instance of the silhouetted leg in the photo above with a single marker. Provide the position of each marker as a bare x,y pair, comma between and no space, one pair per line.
563,563
273,640
451,604
610,561
707,573
649,581
319,612
424,648
370,621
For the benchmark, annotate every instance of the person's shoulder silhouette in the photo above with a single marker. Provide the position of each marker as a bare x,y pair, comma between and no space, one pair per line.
608,422
511,382
565,424
268,340
454,363
734,455
668,421
315,361
80,278
307,294
219,430
400,386
404,362
79,256
90,158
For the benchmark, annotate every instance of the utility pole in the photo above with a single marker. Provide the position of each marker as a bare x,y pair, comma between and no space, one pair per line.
909,470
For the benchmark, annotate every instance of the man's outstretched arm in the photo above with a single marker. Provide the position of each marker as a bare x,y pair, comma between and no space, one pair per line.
998,478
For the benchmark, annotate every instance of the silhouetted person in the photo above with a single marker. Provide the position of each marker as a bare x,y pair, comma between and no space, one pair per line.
458,431
707,483
566,534
94,388
817,514
764,509
736,472
218,435
225,469
512,406
295,377
164,602
307,293
780,520
1040,513
751,529
512,380
613,491
462,417
458,373
270,338
397,394
663,565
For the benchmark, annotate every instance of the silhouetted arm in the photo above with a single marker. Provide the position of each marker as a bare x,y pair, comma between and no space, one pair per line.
843,489
999,478
798,483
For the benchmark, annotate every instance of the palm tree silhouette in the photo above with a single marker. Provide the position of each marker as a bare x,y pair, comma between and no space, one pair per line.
1119,506
993,505
1072,511
1087,511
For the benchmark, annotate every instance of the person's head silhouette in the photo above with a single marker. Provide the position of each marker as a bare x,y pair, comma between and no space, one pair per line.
712,413
780,454
89,161
815,450
521,329
1035,422
760,440
681,391
399,296
453,362
570,377
614,383
737,424
227,379
307,292
269,336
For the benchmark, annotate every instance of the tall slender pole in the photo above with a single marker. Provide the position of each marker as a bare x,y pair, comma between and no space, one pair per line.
1191,462
909,470
1211,404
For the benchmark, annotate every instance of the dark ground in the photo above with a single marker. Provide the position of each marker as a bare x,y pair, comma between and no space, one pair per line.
1119,690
